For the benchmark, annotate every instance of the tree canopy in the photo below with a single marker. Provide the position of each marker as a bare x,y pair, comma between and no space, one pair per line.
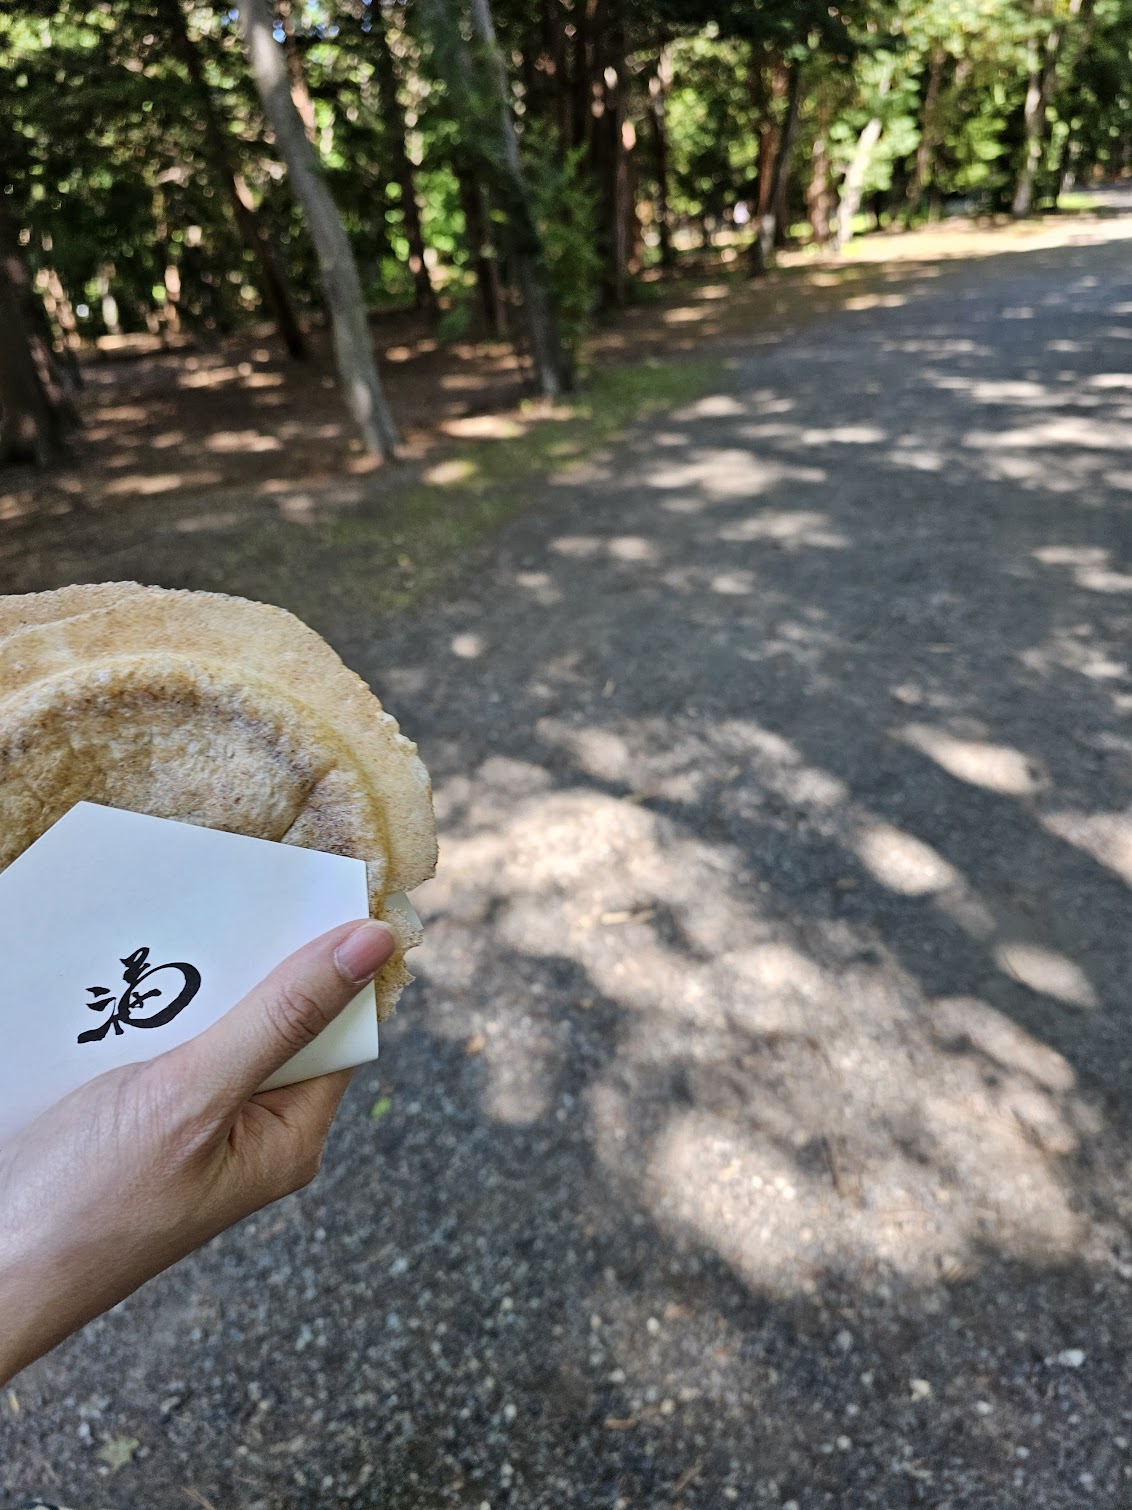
512,166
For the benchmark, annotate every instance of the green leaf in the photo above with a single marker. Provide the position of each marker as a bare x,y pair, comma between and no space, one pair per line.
116,1452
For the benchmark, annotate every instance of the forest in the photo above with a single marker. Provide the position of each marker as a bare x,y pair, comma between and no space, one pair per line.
511,169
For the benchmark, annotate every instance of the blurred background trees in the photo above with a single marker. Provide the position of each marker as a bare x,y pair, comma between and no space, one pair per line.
506,167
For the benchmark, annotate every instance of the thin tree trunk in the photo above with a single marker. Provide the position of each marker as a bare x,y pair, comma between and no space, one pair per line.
62,326
217,150
301,95
853,185
925,150
490,140
551,361
819,192
1044,60
769,134
634,232
404,175
353,346
35,413
659,84
164,270
61,314
554,47
1070,161
580,95
780,190
476,229
609,149
108,304
762,251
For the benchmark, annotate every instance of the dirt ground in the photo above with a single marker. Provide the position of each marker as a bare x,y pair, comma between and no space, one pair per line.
232,422
758,1131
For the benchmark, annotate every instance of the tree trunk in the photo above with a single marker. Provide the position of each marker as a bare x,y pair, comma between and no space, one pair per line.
165,274
762,250
1044,58
633,230
580,92
554,43
659,84
217,150
61,315
925,150
1070,166
488,128
610,136
353,347
552,364
35,413
108,304
477,221
61,327
299,91
620,201
780,191
763,102
819,192
404,175
853,185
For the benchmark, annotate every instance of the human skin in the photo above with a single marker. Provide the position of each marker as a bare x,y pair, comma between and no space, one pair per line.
134,1170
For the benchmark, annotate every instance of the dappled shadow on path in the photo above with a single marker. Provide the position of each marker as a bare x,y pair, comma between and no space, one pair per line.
759,1129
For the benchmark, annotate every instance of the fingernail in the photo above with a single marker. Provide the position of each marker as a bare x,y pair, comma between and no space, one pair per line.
362,953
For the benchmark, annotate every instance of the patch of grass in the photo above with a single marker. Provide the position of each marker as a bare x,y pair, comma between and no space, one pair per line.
406,545
1076,199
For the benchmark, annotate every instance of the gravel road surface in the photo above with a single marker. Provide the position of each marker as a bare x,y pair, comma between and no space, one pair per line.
758,1130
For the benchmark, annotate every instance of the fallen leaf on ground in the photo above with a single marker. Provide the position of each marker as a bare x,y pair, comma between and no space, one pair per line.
613,919
116,1452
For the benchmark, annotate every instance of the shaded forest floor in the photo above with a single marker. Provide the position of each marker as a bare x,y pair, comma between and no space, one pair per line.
759,1130
194,450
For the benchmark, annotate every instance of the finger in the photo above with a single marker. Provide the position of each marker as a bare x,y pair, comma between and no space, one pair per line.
230,1060
279,1136
308,1107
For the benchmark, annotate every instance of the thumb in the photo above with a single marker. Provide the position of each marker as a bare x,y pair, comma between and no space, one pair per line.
230,1060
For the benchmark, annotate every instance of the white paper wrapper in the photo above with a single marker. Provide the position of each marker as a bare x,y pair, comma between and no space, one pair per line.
123,935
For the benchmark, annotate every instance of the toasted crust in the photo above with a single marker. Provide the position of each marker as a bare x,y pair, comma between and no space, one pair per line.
211,710
22,610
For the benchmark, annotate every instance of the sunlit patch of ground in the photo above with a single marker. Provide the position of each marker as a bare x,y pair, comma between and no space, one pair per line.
758,1131
843,1118
148,398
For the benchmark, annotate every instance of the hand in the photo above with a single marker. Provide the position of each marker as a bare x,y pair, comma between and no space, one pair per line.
139,1167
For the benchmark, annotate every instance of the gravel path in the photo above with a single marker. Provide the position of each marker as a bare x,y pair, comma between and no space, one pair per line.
758,1132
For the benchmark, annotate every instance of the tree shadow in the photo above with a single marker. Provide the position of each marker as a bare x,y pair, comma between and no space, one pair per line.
758,1130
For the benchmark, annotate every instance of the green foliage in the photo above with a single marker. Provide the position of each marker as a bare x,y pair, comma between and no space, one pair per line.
457,319
566,212
105,168
714,143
